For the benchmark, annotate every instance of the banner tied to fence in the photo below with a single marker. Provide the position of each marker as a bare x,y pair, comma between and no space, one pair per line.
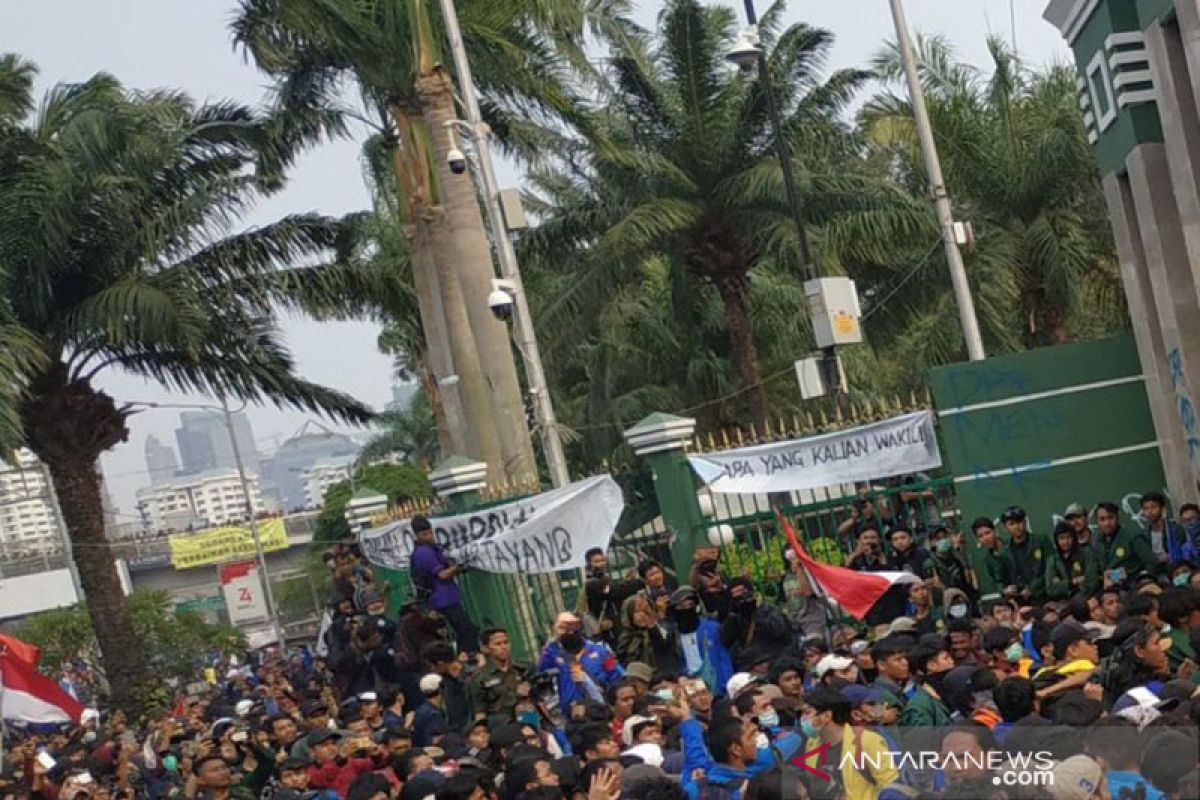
545,533
897,446
218,545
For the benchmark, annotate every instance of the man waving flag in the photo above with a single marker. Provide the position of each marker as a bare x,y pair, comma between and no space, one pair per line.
854,591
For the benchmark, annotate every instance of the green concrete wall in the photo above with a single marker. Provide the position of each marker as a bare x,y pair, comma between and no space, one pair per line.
1043,453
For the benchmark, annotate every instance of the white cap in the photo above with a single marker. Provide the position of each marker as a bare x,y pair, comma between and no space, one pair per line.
627,730
648,752
737,684
831,662
368,697
243,707
89,715
431,683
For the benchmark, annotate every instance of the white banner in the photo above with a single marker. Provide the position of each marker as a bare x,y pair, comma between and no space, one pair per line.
896,446
545,533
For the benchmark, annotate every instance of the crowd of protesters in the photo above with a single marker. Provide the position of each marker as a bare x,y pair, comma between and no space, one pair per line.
1046,667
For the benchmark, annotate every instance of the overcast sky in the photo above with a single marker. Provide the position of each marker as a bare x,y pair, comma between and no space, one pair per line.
184,43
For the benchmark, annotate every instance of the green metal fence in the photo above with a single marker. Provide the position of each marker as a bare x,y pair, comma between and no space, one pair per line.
754,546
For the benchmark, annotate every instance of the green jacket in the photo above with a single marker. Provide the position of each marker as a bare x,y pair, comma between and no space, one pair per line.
1128,551
923,709
1181,649
951,571
493,690
1079,571
995,573
1028,563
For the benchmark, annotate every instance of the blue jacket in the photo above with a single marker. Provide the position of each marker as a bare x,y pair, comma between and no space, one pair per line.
1184,543
718,668
427,721
1129,782
696,756
599,662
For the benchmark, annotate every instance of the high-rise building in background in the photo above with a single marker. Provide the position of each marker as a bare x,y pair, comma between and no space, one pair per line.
161,461
198,501
29,523
284,474
204,444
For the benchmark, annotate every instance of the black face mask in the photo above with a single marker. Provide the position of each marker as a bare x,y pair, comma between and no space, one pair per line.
686,619
571,642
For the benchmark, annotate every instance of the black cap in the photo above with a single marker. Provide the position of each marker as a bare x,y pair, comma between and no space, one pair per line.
1015,513
682,595
294,765
508,735
1068,633
311,708
317,737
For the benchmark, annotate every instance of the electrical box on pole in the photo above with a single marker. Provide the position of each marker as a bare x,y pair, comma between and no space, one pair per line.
833,307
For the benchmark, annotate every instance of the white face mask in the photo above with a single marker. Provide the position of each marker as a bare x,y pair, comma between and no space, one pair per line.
761,741
958,611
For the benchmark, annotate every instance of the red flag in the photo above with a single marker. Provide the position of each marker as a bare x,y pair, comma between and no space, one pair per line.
28,695
31,654
854,591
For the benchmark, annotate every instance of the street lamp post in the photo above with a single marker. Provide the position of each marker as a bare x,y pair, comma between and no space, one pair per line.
268,594
748,54
937,185
526,338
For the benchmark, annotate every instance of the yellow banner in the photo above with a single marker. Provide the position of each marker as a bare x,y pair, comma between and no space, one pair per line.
217,545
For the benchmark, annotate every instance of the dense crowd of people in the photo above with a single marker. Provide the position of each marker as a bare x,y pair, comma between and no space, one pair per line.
1063,667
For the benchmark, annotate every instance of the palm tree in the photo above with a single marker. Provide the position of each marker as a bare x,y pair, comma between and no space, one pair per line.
1020,169
391,49
116,251
407,431
680,189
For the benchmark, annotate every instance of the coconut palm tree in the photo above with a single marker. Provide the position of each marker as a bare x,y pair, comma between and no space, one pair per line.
1019,167
406,431
392,51
118,251
680,181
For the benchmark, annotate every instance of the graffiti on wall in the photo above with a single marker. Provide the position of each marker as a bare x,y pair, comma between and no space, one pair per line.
1184,405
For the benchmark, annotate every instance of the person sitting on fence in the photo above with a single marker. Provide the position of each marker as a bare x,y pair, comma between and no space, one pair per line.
434,578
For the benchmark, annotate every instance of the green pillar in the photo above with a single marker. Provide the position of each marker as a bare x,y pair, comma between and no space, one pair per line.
660,439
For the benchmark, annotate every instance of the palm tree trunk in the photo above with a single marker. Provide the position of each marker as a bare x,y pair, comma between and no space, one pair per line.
469,248
69,424
482,443
733,293
429,385
451,347
445,399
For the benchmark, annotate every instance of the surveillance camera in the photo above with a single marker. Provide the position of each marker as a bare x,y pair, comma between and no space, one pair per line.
501,304
746,50
456,161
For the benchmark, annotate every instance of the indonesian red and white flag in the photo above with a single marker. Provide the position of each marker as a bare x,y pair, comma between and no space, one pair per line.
854,591
30,696
31,654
